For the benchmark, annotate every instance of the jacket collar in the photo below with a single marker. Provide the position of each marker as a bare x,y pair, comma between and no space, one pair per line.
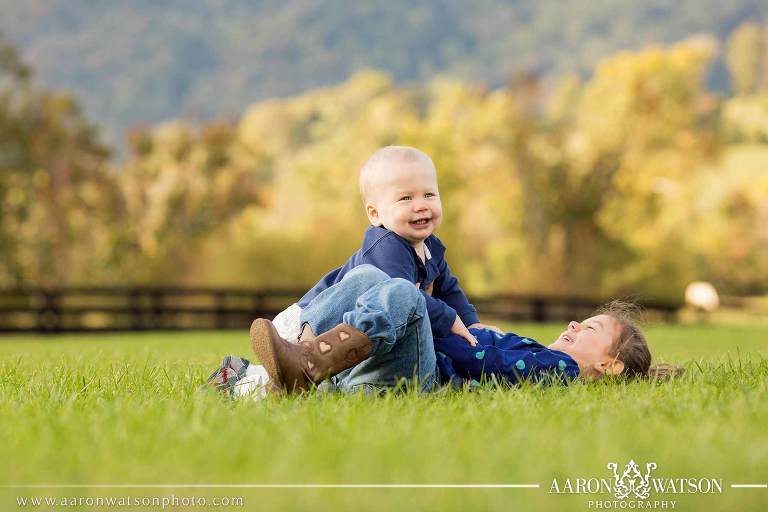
374,234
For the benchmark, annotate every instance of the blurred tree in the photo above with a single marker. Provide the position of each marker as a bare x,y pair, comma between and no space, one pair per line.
731,205
650,117
616,185
315,144
180,186
747,59
14,76
745,118
464,130
57,195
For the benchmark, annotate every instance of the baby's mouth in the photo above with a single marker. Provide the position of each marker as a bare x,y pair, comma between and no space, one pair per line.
420,222
566,338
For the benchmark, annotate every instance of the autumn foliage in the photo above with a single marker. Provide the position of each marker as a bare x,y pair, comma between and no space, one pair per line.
637,180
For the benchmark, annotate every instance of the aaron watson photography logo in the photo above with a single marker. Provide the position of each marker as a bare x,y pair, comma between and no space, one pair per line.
635,488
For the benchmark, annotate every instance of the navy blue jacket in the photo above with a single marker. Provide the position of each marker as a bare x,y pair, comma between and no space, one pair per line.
397,258
506,356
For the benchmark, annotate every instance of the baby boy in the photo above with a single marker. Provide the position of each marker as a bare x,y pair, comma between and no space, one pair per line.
399,188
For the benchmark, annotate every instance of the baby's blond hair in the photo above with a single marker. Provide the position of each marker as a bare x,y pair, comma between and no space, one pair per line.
377,162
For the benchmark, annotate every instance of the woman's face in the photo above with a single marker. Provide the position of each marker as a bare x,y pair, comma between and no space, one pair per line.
589,344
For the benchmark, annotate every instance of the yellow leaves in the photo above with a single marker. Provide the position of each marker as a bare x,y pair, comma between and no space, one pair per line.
59,106
41,178
545,151
77,219
645,97
746,117
643,110
173,139
746,58
15,196
367,84
466,114
600,185
274,125
91,194
267,126
565,98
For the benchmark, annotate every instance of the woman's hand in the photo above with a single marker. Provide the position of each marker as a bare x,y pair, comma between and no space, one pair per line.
459,328
483,326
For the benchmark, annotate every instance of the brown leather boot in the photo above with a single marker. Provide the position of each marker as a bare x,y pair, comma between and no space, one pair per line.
294,367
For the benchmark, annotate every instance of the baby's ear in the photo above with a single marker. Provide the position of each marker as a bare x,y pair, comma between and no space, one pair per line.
373,214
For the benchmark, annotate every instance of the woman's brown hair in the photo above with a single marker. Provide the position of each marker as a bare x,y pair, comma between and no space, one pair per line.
630,346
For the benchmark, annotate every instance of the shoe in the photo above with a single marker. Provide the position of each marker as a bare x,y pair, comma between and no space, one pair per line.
254,385
226,376
295,367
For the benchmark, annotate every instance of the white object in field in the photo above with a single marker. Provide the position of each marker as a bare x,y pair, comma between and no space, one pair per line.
702,295
288,323
253,384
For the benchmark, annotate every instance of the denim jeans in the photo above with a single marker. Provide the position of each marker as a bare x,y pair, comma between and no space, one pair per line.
393,314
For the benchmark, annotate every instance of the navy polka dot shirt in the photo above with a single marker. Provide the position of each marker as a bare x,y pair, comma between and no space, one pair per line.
506,356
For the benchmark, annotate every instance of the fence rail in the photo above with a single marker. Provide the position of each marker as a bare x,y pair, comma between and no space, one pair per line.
56,310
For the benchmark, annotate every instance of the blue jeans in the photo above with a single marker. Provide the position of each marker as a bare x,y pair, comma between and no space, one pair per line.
393,314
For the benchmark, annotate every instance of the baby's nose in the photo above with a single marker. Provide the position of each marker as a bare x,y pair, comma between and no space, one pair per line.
574,326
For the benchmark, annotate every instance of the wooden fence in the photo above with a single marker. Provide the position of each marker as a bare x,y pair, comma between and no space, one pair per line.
55,310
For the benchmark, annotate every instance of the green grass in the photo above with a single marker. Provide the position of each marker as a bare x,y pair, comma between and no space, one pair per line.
105,409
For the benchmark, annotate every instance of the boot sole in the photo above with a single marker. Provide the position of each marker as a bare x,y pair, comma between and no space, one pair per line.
261,333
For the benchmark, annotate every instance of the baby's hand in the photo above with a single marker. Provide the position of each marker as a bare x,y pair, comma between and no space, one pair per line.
459,328
483,326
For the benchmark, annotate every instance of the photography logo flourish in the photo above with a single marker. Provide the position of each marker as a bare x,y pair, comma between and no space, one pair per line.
635,487
631,481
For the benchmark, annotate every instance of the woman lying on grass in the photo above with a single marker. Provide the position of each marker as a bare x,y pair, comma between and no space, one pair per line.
375,334
609,343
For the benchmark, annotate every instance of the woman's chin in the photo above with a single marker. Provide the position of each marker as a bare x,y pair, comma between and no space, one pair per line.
559,345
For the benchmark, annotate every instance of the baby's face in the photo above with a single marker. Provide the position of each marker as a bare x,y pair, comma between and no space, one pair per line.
405,200
589,342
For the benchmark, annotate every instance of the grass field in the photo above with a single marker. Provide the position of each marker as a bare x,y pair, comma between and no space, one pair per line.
125,409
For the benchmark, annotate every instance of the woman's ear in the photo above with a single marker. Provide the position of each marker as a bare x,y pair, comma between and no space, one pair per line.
609,367
373,214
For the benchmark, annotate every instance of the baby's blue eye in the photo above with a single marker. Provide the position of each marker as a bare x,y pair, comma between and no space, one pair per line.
429,194
405,198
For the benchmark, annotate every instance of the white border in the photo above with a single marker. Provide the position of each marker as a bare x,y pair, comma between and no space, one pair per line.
277,486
